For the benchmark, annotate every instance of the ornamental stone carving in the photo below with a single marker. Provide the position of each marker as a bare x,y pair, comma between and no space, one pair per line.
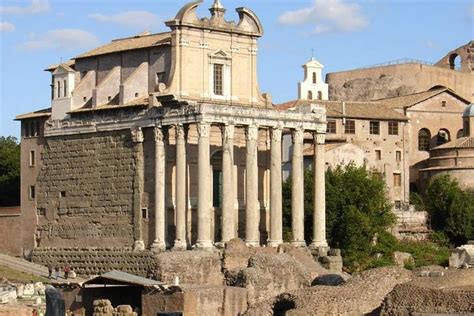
319,138
251,132
159,134
227,132
298,135
137,134
204,129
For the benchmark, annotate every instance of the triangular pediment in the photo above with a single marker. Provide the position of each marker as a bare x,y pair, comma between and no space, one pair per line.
62,69
220,54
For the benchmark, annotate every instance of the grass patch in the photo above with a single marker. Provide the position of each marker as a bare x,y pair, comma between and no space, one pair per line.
426,253
20,277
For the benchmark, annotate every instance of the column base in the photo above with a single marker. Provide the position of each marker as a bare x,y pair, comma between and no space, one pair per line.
180,245
252,243
158,246
204,245
274,243
298,243
139,245
220,244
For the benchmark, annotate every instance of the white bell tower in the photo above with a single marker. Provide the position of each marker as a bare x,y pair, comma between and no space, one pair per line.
313,87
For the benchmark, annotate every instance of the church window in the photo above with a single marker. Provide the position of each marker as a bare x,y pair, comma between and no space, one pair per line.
392,128
349,127
424,138
314,77
331,127
218,79
310,95
320,95
374,127
443,137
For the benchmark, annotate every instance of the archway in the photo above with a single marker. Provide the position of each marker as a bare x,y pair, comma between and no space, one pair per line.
454,62
443,137
310,95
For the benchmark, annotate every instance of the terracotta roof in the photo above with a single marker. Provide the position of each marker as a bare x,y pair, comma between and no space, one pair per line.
368,110
36,114
129,43
415,98
69,63
463,142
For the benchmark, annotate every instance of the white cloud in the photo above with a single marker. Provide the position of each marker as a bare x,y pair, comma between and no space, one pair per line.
36,6
141,20
327,16
61,39
6,27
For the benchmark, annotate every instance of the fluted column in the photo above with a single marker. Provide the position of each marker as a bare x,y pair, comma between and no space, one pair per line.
297,189
159,244
252,208
276,219
319,215
204,205
228,219
180,241
138,187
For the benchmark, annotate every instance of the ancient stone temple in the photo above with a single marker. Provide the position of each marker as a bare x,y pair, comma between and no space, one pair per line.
163,141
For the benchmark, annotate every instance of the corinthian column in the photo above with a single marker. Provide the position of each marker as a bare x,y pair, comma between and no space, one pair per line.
180,241
252,208
204,205
228,220
159,244
138,187
276,225
297,189
319,215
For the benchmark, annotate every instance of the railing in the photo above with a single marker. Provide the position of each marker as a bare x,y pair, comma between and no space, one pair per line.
400,62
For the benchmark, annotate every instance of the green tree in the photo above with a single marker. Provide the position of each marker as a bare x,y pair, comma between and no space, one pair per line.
9,171
451,209
357,212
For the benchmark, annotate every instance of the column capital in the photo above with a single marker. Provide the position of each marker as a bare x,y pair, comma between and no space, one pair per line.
319,138
180,131
159,133
203,129
251,132
298,135
137,134
227,131
276,133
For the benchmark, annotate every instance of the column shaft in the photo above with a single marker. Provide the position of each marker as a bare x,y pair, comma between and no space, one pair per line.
297,189
228,218
138,187
319,215
159,244
180,192
204,203
252,208
276,219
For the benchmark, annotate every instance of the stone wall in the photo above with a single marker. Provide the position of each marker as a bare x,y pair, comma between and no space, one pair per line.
10,225
95,261
85,191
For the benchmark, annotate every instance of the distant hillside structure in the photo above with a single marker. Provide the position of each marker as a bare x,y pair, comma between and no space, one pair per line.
405,76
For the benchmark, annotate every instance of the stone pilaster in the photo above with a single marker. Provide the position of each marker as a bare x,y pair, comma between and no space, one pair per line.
276,219
159,244
297,189
138,188
181,192
319,215
252,207
228,218
204,203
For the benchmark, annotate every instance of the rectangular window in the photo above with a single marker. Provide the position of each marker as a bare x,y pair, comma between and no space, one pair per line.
218,79
398,155
144,213
350,127
374,127
62,194
65,88
398,204
331,127
32,192
378,154
443,104
392,128
397,179
32,158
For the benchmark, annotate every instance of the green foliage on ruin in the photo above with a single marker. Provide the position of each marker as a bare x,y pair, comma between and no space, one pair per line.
357,209
9,171
451,209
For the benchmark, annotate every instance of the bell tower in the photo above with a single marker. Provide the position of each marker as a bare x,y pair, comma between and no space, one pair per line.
313,86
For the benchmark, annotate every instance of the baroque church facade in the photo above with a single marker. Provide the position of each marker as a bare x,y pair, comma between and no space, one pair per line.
164,141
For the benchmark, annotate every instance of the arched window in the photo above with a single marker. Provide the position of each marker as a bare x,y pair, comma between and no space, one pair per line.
460,133
320,95
310,95
59,90
443,137
65,88
455,62
314,77
424,137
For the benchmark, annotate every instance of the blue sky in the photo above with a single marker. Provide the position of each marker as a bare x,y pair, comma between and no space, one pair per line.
344,34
